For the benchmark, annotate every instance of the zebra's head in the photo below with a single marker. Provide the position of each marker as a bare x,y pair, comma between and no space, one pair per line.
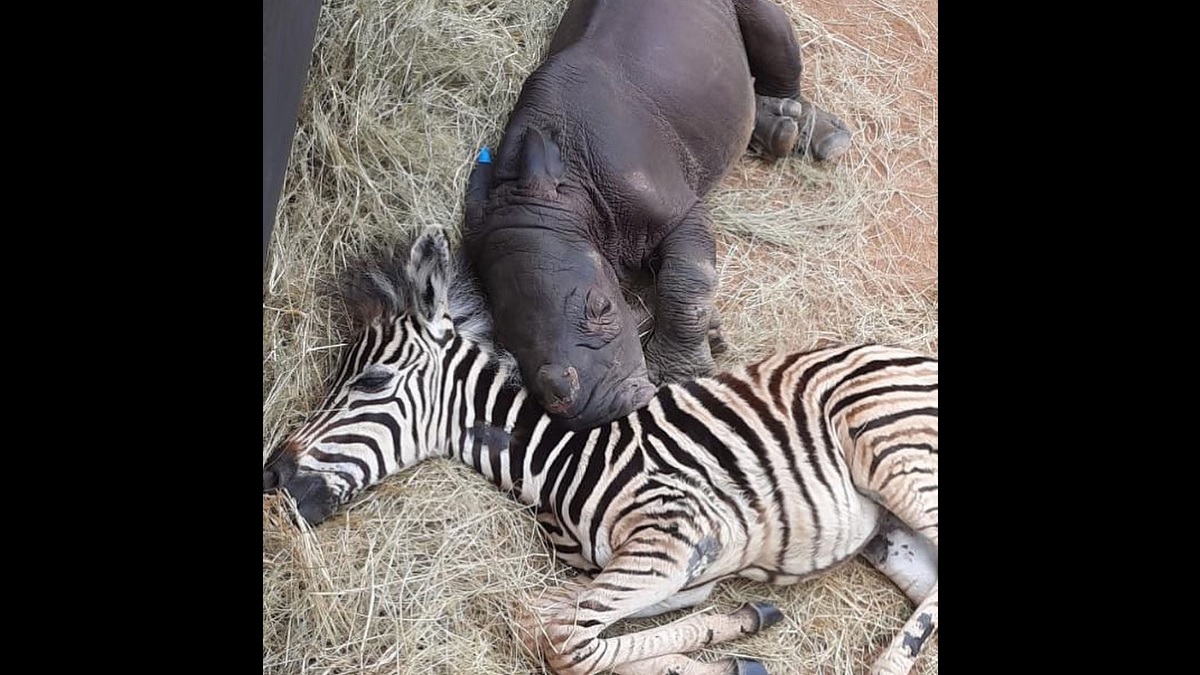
377,417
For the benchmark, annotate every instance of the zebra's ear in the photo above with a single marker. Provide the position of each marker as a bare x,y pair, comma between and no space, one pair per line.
429,269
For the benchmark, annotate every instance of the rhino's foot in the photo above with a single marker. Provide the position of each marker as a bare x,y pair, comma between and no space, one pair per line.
670,365
783,126
716,341
776,127
828,136
716,337
674,373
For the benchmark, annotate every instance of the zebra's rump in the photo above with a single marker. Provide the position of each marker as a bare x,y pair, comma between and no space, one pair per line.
794,451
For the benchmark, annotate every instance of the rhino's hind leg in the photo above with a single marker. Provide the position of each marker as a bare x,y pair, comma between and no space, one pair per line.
785,120
783,126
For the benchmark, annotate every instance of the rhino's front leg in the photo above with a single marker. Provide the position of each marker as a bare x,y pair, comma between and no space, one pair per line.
685,284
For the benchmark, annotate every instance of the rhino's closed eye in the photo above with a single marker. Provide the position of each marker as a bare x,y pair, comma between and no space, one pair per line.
599,308
371,382
601,320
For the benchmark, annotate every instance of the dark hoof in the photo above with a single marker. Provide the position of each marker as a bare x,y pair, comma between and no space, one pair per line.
830,137
783,126
748,667
776,127
270,480
765,614
768,614
832,146
783,137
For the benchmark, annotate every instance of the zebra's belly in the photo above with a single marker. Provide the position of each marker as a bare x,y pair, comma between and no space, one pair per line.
815,539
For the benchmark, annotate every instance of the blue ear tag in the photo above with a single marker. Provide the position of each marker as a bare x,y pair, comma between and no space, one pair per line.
485,156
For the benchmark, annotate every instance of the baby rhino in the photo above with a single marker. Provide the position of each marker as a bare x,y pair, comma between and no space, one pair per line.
637,111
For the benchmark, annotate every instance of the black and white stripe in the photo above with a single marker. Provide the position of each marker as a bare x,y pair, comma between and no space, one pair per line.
773,471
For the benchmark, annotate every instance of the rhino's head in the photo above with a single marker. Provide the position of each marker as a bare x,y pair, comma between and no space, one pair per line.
559,310
555,300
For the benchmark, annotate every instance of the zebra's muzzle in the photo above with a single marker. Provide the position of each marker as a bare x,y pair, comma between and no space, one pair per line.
315,500
279,469
271,479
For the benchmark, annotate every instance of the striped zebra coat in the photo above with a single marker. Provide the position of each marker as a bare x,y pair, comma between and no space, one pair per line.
773,471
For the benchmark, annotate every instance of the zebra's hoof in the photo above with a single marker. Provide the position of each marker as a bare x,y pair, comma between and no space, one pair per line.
768,614
765,614
749,667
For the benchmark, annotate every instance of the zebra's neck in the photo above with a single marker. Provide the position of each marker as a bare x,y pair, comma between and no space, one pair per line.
495,426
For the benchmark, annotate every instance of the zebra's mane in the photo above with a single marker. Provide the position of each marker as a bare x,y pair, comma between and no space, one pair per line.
378,286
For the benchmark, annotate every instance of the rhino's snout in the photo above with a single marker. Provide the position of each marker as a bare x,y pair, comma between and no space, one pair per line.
640,393
619,401
558,387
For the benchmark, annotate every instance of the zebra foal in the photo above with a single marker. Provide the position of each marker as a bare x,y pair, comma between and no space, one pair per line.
773,471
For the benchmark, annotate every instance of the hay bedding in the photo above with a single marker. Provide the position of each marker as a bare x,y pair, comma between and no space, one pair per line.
420,574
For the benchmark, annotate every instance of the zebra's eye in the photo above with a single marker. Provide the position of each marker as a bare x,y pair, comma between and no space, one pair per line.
371,382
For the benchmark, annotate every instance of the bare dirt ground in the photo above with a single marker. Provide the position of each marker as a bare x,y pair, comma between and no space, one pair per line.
908,224
895,153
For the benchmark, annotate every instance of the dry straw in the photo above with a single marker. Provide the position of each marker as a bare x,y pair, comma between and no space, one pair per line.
420,574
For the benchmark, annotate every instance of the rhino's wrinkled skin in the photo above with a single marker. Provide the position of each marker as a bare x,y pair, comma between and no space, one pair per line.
639,108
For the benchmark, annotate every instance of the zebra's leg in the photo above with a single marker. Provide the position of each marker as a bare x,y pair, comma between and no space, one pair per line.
906,558
917,509
565,624
566,548
893,458
588,571
901,654
571,645
688,598
678,664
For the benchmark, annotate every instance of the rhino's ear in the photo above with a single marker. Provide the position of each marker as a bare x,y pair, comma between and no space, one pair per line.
541,161
429,269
